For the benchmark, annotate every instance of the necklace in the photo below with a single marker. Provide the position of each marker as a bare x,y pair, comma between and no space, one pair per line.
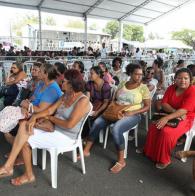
69,99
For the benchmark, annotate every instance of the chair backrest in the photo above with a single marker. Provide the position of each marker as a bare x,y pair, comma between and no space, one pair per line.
169,79
113,91
86,117
192,130
153,92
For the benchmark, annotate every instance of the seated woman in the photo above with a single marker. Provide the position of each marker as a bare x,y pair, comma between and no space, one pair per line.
31,84
78,65
46,93
159,76
180,64
132,92
117,71
159,73
149,80
106,75
71,111
98,90
14,81
61,68
178,101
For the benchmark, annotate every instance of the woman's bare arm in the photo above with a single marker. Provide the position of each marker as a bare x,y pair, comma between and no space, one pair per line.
17,79
81,108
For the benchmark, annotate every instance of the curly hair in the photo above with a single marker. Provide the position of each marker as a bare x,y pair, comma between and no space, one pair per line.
131,67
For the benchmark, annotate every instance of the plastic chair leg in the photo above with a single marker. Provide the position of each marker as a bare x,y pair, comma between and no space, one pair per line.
54,167
74,155
101,136
136,136
82,158
106,136
34,156
44,158
126,134
187,145
146,121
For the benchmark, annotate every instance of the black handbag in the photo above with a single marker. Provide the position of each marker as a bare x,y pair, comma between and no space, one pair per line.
171,123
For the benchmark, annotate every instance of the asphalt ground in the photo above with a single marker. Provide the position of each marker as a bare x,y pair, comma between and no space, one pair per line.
139,177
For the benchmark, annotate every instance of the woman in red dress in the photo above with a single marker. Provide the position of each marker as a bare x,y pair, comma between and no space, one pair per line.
178,101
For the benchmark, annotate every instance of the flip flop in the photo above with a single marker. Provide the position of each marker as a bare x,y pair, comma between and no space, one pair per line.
21,181
85,155
18,163
5,173
162,166
181,154
117,167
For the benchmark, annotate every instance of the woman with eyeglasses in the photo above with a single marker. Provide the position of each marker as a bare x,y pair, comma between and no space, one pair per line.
106,75
149,79
178,102
132,93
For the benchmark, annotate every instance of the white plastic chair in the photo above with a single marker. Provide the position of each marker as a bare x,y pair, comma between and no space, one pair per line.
152,93
189,136
69,145
126,136
169,79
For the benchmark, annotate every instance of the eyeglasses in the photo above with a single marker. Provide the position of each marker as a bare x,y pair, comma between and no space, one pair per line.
65,81
13,67
152,73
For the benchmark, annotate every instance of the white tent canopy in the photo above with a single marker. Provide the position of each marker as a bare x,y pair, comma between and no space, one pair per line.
162,43
138,11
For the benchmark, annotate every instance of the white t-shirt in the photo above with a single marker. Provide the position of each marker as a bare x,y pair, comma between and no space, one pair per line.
103,53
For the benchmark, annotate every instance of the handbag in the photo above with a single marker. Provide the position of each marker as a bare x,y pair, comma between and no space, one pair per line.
45,125
171,123
112,111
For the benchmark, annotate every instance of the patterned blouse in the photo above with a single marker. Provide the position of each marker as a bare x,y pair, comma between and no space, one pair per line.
134,97
95,95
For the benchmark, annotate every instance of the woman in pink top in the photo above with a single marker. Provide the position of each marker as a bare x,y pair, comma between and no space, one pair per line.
107,76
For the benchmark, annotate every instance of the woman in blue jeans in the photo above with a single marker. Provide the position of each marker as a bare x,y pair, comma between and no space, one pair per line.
133,93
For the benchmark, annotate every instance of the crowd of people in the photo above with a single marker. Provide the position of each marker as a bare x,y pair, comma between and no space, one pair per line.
103,51
60,98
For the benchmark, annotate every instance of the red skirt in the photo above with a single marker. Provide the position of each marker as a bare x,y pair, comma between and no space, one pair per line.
160,142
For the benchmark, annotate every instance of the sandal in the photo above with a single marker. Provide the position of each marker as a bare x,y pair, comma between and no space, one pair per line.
85,155
117,167
162,166
181,154
18,162
22,180
4,172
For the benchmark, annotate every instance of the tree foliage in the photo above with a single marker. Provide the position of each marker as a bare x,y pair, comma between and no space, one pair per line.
30,19
18,23
112,28
49,21
185,35
75,24
152,36
130,32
